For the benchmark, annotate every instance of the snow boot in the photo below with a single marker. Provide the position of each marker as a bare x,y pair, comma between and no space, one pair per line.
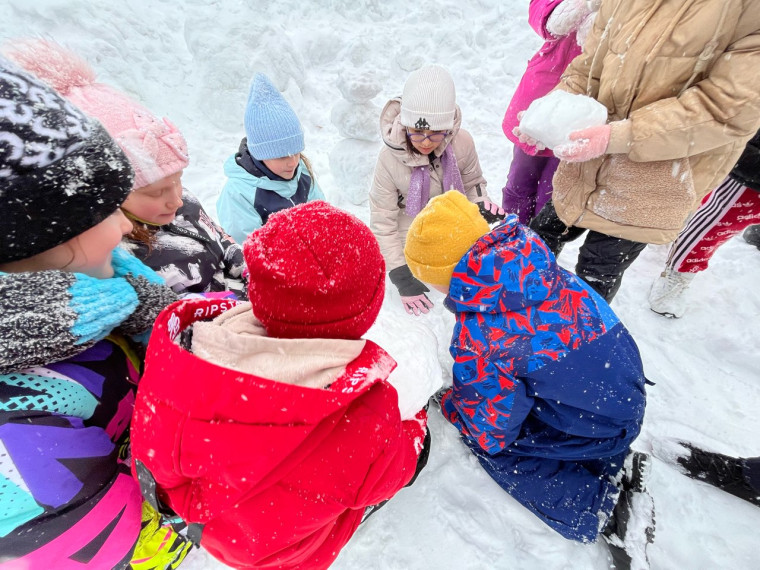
636,471
752,235
721,471
667,296
438,396
630,529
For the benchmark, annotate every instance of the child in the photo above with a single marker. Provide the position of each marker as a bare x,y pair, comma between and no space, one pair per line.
171,232
563,25
681,105
548,388
426,153
68,369
273,425
268,173
726,211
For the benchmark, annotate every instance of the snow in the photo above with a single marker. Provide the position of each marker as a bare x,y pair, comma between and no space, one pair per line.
418,376
193,60
551,119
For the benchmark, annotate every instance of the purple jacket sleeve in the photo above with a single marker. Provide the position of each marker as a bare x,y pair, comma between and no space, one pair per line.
538,13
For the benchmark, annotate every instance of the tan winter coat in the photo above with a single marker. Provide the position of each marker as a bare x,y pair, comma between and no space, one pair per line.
387,197
636,61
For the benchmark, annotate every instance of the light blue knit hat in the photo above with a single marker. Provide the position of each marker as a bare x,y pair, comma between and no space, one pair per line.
271,125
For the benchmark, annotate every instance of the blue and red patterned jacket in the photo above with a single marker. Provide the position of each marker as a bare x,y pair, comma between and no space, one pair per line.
540,359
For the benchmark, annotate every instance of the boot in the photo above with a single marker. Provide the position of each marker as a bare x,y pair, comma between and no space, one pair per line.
637,468
752,235
667,296
721,471
630,529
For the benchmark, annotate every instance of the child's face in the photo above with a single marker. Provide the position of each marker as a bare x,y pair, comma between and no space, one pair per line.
88,253
156,203
440,288
284,167
425,141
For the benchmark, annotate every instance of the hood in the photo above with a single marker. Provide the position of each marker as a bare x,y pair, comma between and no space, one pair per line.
394,135
234,170
508,269
212,389
237,340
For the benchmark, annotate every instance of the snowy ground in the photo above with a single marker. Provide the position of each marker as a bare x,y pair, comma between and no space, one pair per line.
192,60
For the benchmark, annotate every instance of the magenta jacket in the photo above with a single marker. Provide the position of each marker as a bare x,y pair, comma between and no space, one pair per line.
544,69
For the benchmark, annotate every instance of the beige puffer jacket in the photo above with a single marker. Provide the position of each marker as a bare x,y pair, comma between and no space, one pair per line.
387,197
636,61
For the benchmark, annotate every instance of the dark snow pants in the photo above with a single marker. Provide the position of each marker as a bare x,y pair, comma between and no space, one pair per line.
602,259
752,473
573,497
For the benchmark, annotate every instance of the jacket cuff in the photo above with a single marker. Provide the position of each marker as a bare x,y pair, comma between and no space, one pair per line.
620,137
406,283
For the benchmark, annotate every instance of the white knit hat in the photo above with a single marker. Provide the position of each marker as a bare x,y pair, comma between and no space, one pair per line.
429,100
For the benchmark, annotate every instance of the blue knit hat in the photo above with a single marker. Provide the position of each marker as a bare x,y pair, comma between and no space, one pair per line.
271,125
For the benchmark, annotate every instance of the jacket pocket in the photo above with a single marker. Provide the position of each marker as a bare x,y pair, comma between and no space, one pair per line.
657,194
573,182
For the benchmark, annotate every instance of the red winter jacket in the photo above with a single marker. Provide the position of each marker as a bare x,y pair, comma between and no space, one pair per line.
279,474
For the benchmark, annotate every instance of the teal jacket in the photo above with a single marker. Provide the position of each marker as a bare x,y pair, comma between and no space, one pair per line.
250,196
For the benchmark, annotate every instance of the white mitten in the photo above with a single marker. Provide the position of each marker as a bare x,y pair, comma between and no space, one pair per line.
566,17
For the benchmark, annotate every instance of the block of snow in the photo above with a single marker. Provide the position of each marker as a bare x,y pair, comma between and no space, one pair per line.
414,347
552,118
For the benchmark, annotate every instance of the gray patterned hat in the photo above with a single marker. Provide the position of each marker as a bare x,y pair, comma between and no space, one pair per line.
60,171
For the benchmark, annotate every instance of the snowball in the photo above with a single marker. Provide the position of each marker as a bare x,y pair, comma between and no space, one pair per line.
552,118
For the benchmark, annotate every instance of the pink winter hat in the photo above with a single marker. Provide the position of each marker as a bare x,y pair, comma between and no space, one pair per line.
155,147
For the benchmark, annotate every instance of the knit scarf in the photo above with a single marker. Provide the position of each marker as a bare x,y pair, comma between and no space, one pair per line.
419,182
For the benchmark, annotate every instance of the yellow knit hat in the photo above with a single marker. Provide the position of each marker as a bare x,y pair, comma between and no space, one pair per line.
440,235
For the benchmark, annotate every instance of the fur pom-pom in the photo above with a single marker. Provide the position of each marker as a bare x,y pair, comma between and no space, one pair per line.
60,68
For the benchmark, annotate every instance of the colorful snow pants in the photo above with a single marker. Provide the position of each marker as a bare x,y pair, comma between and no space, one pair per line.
725,212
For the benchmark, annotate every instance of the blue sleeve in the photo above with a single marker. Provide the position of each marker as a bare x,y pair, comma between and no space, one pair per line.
77,311
236,213
315,192
488,404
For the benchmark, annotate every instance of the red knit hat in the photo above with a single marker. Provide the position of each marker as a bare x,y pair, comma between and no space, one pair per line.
315,272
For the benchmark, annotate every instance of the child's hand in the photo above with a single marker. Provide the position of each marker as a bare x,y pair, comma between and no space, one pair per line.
585,144
417,304
525,139
491,212
493,208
